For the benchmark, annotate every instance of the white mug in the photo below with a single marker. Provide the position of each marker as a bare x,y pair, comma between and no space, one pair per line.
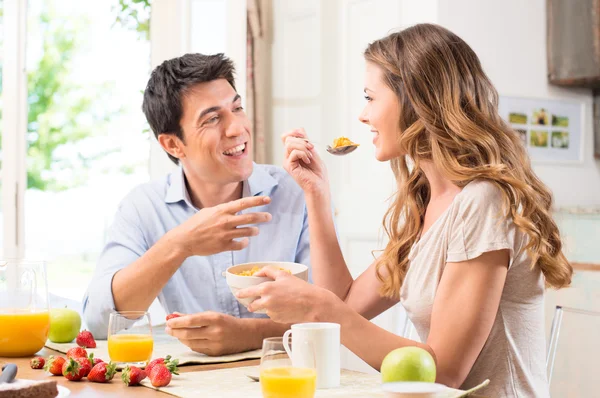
323,339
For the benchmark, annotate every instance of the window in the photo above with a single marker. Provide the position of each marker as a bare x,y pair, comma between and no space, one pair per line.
74,141
1,64
87,142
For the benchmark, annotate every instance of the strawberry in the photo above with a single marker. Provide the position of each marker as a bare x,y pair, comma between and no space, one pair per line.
77,352
160,376
103,372
37,363
94,361
54,365
171,364
85,339
171,316
73,370
84,363
132,375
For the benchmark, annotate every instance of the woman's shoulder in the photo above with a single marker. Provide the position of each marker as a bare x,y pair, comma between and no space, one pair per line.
482,190
481,198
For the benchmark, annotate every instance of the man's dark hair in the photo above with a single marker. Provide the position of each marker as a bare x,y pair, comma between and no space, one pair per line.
171,80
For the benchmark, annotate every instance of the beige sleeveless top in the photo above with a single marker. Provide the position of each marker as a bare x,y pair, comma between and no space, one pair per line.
514,355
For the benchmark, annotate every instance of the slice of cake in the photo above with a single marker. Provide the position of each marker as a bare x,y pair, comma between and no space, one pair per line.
22,388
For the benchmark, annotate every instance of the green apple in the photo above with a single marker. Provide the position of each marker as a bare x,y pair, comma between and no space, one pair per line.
408,364
64,325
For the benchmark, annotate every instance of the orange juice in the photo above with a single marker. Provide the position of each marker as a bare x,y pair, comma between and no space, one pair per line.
22,332
130,347
288,382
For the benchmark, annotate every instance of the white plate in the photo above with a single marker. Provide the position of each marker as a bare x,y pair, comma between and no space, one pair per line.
411,389
63,392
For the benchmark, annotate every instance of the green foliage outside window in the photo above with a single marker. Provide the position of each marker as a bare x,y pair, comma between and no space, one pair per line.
61,113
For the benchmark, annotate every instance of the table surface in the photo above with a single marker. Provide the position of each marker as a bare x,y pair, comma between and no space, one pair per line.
116,388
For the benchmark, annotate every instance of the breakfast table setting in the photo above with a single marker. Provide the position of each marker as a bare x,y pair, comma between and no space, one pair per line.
199,376
41,356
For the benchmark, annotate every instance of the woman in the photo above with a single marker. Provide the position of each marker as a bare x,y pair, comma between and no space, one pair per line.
471,237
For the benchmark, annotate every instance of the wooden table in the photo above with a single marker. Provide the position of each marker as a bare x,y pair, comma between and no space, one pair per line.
116,388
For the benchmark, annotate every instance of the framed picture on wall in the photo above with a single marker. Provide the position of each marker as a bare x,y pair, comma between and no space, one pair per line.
551,130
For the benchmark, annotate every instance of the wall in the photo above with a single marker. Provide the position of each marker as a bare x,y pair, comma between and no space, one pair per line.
509,36
205,26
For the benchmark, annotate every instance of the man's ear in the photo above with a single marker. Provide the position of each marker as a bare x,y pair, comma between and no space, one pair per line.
172,144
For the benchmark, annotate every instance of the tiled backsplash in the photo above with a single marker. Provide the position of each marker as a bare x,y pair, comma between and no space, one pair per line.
580,231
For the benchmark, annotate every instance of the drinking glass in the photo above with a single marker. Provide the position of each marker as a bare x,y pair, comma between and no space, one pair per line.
278,378
130,338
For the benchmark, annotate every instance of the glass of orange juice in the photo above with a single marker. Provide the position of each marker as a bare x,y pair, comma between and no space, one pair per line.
24,316
130,338
279,379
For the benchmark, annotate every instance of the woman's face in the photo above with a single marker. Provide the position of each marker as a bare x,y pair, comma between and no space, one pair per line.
382,114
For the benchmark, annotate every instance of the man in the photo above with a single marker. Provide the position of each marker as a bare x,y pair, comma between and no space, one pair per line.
174,237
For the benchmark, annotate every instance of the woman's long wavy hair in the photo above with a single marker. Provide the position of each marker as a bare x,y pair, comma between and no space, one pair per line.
449,115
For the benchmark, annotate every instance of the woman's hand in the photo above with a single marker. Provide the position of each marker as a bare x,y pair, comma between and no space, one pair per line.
289,299
303,163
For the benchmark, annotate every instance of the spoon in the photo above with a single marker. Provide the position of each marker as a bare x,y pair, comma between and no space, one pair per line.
338,151
9,372
472,390
341,150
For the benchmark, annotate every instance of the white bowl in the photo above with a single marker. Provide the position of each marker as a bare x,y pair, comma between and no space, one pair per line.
414,389
237,282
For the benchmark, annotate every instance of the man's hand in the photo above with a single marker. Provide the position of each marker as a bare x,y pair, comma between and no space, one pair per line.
219,228
214,334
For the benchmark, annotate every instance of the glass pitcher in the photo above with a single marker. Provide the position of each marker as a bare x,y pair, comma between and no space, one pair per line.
24,316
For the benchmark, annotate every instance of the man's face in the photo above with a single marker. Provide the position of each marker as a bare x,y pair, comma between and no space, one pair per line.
217,143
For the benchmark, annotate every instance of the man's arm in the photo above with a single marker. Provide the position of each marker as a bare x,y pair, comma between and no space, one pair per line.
212,230
125,244
130,275
152,271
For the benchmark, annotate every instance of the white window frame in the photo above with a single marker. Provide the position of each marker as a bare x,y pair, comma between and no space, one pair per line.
14,127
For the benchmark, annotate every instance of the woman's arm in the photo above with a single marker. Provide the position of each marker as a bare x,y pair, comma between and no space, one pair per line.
464,310
329,269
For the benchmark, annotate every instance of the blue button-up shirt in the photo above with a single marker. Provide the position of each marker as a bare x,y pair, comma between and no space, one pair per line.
152,209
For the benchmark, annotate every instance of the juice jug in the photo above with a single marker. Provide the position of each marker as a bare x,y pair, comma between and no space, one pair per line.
24,316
